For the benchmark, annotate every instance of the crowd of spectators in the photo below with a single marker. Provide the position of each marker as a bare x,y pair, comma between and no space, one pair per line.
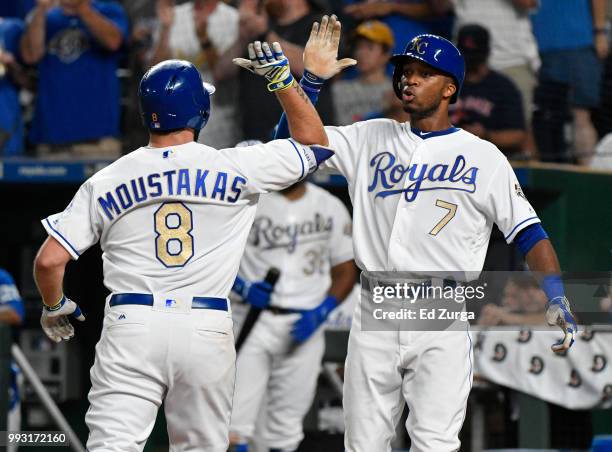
538,79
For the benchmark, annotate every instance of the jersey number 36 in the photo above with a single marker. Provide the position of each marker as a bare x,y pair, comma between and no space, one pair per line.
173,242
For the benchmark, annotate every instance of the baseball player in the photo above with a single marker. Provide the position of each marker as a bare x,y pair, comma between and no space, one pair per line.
305,232
12,313
172,219
425,196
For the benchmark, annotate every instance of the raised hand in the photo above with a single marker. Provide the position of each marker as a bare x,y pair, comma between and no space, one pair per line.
270,63
321,51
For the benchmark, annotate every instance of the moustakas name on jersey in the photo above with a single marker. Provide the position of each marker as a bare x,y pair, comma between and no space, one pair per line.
304,238
426,201
178,217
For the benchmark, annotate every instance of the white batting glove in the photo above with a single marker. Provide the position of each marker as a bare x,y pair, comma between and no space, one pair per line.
54,320
321,51
270,63
558,313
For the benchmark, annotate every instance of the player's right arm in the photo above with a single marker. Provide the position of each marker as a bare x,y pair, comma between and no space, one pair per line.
71,232
269,61
321,64
275,165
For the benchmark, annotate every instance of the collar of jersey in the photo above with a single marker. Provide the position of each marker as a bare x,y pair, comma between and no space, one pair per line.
435,133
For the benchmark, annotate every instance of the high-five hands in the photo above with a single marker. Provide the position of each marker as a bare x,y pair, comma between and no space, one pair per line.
270,63
321,51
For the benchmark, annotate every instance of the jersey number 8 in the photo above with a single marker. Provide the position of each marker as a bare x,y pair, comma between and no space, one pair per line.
174,242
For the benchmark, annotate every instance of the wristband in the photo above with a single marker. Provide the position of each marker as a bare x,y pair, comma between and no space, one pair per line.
57,305
239,286
312,81
282,84
553,287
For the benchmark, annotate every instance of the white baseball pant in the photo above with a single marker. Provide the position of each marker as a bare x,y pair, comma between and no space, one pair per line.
148,355
430,371
271,365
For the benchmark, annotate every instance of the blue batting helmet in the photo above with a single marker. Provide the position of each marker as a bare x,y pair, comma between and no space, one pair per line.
436,51
173,96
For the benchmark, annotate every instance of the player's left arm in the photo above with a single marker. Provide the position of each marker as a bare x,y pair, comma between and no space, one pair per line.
49,268
542,259
508,207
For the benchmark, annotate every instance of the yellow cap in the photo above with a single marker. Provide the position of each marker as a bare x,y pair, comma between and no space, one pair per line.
376,31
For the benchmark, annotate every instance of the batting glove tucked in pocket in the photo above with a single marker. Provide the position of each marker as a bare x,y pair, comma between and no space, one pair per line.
54,320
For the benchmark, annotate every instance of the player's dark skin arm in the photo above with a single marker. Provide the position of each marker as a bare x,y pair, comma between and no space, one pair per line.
343,277
305,125
49,268
543,259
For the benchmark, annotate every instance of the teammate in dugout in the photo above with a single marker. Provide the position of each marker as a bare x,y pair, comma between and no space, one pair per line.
306,232
172,219
425,196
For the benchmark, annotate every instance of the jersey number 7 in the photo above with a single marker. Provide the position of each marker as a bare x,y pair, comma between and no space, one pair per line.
452,210
174,242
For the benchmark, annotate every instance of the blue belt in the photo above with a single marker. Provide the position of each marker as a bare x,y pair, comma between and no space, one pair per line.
145,299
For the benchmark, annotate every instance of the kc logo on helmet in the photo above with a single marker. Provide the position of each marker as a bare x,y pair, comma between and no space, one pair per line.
418,46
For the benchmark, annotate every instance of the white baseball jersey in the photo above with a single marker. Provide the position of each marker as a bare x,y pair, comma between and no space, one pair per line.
422,201
425,201
176,219
303,238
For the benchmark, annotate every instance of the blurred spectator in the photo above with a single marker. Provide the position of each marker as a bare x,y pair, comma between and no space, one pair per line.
12,314
76,48
11,77
357,97
514,51
489,104
406,18
199,31
523,303
571,37
289,22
